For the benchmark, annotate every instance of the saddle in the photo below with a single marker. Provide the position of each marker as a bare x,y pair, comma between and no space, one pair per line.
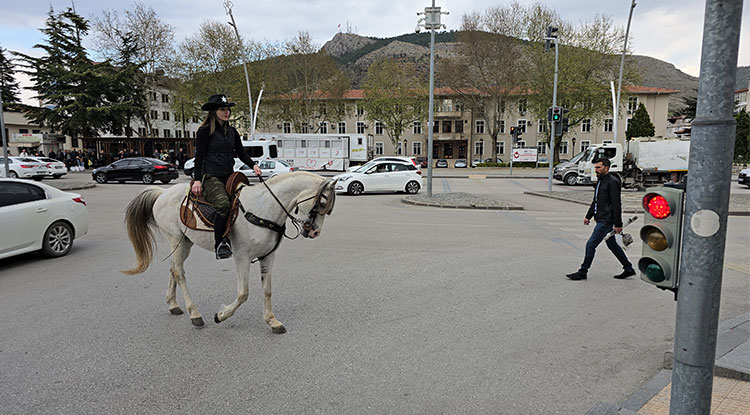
198,214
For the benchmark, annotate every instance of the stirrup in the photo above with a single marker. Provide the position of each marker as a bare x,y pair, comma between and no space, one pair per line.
223,251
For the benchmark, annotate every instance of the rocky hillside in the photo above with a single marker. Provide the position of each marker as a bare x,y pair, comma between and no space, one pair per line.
355,53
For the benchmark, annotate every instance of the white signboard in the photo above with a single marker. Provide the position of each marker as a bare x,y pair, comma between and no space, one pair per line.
524,154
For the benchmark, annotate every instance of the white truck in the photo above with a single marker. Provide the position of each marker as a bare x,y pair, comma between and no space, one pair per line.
319,151
645,161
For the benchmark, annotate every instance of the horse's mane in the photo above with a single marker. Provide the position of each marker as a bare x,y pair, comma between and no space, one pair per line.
294,174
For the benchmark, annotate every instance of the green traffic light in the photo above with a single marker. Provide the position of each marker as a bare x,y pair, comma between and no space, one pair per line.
654,272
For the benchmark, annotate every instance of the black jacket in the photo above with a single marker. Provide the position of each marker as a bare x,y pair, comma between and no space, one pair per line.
607,201
215,153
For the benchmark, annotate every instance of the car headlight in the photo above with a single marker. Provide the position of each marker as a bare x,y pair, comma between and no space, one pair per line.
345,178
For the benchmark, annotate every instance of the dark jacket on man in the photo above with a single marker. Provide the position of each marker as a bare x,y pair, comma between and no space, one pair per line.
607,203
215,152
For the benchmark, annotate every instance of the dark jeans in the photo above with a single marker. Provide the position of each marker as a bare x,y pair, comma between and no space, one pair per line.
600,231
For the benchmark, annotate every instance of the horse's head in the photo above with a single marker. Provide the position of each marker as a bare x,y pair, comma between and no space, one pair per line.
319,206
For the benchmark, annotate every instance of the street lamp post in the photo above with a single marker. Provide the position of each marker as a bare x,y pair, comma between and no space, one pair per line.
228,6
622,65
431,21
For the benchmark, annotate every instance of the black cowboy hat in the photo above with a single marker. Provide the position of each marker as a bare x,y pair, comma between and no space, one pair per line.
217,101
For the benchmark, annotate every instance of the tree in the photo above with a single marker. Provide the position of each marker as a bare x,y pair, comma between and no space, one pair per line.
77,94
394,95
640,125
742,137
8,83
305,86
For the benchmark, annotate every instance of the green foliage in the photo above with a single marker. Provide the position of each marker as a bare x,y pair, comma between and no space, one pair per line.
395,96
640,125
742,137
8,83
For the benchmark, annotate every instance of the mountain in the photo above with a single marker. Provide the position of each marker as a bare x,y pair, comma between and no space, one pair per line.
355,53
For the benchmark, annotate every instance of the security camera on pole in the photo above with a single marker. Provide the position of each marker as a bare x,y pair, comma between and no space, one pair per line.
551,41
431,21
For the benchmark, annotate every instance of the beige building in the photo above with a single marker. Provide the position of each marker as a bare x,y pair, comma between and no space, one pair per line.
24,135
457,134
741,99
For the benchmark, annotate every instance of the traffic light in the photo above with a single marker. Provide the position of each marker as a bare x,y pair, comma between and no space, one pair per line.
661,235
513,134
551,32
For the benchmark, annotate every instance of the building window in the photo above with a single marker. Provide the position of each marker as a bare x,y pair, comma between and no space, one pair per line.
193,134
398,148
178,134
167,133
164,98
447,126
165,115
586,125
416,147
155,132
154,114
605,142
459,126
541,147
501,107
501,126
521,144
588,103
627,123
23,131
360,127
323,127
323,109
360,111
153,96
287,128
585,144
500,147
479,126
379,148
342,128
522,104
564,147
435,126
417,127
378,128
195,119
305,128
541,126
608,125
522,126
479,147
632,104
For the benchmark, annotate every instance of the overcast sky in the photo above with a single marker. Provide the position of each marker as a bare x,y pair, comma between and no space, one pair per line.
670,30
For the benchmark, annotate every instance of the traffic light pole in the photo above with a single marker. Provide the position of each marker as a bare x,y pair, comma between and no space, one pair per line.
551,156
5,139
706,207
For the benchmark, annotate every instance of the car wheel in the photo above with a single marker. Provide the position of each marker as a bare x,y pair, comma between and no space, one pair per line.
100,178
58,240
147,178
571,179
356,188
13,174
38,179
412,187
166,181
56,176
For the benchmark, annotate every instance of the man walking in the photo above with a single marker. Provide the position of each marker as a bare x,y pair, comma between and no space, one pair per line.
606,209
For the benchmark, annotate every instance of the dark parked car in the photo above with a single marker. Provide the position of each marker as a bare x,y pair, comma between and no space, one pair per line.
442,163
422,161
142,169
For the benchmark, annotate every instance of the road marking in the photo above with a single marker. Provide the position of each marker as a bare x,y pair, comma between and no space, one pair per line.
743,268
446,186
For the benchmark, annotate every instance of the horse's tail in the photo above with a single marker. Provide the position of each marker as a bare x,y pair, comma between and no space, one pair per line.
139,220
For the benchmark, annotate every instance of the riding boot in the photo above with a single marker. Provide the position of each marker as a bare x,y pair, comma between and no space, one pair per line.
221,244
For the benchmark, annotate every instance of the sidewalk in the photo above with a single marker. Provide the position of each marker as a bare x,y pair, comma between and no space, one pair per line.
731,384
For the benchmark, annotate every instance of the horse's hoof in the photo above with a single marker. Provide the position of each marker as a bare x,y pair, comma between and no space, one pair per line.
216,318
278,330
197,321
175,311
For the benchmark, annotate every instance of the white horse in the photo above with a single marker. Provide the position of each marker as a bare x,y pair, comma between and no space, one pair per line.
306,194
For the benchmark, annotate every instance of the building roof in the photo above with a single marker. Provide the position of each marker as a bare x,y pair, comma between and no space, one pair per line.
650,90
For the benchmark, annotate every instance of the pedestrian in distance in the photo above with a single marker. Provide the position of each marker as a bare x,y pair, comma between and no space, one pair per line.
216,145
606,209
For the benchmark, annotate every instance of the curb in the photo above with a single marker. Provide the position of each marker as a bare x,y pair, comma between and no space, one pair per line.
75,186
437,205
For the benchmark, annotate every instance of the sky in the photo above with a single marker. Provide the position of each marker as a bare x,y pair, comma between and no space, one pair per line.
670,30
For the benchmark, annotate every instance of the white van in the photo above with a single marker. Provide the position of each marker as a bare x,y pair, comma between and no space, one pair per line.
257,149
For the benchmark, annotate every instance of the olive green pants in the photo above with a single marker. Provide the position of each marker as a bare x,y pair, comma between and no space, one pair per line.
215,193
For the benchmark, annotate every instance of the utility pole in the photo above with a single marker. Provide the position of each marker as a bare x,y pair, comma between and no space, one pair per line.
706,211
4,136
622,65
228,6
551,40
431,21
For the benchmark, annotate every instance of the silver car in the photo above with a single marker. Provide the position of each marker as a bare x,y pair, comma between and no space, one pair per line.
567,172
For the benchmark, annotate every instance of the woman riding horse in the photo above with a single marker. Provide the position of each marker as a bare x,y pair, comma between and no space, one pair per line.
216,145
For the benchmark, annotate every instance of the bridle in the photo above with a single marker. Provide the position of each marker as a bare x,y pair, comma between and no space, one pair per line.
323,205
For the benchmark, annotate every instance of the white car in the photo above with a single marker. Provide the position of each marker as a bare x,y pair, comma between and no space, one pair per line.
381,176
744,177
268,168
411,160
24,168
34,216
57,167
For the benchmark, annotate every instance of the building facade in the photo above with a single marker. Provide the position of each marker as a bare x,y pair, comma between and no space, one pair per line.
458,134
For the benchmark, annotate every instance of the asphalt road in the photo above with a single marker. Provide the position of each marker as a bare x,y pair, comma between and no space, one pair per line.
394,309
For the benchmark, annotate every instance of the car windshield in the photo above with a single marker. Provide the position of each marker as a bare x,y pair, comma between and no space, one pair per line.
577,157
283,163
363,168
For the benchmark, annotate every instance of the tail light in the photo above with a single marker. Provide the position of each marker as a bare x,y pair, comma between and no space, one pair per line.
79,200
419,172
27,166
160,167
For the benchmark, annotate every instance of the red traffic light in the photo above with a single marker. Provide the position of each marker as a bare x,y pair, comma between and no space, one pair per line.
657,205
